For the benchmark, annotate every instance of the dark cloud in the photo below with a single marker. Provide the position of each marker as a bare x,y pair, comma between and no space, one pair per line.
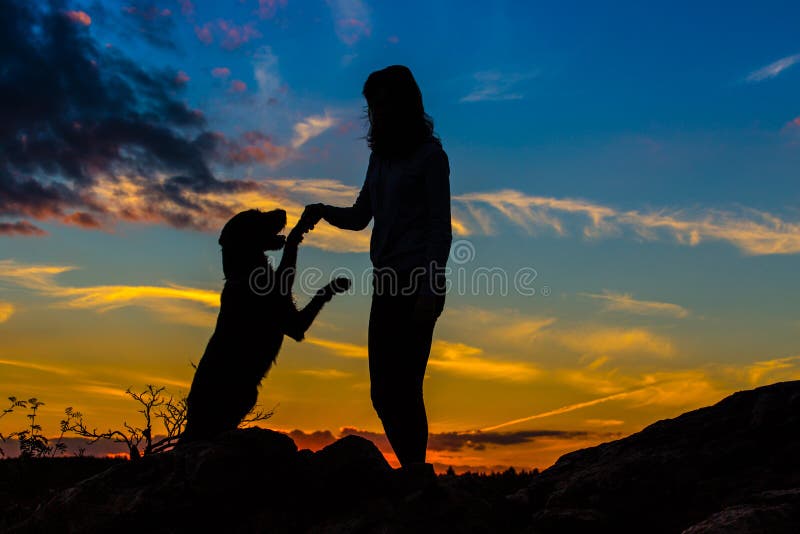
73,113
456,441
151,22
75,446
20,228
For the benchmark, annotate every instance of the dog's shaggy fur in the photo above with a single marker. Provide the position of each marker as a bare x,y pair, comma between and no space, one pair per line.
256,310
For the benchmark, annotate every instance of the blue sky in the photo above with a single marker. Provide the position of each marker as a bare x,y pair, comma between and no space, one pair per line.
642,157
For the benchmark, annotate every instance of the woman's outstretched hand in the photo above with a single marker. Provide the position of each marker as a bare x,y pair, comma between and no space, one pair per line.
312,215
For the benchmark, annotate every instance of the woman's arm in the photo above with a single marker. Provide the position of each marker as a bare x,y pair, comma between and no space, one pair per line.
356,217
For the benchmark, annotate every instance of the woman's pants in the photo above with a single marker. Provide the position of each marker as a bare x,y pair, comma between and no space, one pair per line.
399,347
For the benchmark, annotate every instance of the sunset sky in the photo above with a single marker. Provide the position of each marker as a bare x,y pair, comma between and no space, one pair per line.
632,172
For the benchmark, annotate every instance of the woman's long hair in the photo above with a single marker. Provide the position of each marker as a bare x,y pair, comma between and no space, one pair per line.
398,121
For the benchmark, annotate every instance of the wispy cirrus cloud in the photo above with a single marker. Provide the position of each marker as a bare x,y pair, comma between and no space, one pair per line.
493,85
767,371
773,69
35,366
311,127
324,374
753,232
465,360
170,300
624,302
340,348
449,357
614,341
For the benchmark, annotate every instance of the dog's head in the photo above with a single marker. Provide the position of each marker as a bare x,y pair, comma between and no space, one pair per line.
254,230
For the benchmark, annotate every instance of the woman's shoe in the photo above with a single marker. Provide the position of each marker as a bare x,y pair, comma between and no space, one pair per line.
415,476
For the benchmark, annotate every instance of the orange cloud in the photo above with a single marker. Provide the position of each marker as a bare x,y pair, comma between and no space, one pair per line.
82,219
79,17
461,359
448,357
167,300
614,341
325,374
6,311
345,350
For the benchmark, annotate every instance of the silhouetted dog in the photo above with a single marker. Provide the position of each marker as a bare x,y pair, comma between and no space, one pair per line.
256,310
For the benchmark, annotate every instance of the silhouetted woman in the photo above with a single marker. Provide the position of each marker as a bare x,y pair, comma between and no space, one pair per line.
407,193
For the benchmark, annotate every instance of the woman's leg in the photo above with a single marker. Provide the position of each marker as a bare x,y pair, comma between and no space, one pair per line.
399,348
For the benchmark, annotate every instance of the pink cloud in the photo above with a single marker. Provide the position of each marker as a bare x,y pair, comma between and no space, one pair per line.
256,147
79,17
235,36
229,35
351,30
187,7
204,33
268,8
346,127
238,86
181,78
220,72
352,20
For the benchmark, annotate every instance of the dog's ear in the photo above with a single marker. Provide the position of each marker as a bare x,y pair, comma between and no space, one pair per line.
237,230
252,229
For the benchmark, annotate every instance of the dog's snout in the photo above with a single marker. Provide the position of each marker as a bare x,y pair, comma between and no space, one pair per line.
276,219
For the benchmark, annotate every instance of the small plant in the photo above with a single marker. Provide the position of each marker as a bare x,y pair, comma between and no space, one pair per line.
155,405
14,404
32,443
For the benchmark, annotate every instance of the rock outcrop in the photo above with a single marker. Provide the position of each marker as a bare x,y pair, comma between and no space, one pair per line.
256,480
703,468
733,467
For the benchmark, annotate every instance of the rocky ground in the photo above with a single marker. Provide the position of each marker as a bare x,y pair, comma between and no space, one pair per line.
733,467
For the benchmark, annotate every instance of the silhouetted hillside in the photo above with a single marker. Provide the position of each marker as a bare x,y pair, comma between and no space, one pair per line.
736,459
731,467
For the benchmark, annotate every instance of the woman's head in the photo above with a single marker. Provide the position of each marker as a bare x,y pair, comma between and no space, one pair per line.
398,122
